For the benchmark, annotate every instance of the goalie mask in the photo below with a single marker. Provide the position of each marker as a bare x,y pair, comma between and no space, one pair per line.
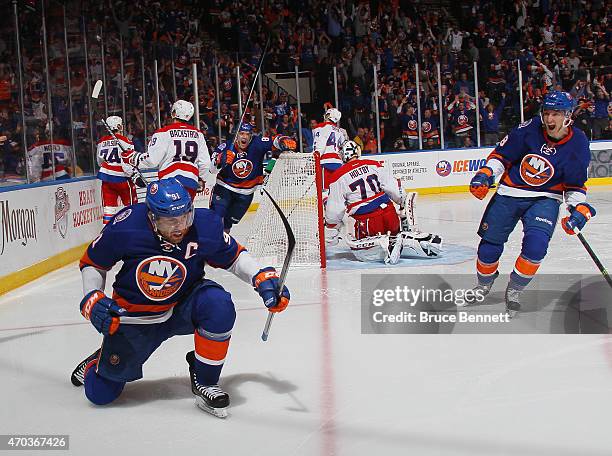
115,123
182,110
332,115
350,150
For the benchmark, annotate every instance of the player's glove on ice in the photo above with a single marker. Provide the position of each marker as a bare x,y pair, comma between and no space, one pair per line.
266,284
482,182
102,311
579,215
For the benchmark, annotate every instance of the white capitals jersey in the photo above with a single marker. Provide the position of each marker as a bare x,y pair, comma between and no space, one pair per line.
178,150
327,140
360,187
112,168
39,160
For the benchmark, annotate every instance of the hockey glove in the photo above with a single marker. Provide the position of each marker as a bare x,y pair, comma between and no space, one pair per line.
285,143
131,157
224,158
266,284
102,312
482,182
579,215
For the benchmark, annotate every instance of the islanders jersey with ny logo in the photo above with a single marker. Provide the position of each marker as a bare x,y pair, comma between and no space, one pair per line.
157,275
246,172
536,165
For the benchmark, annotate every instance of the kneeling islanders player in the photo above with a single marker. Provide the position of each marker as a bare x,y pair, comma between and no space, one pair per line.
366,191
160,292
541,162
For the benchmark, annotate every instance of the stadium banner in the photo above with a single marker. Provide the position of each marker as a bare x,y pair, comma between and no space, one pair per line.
435,169
37,223
601,160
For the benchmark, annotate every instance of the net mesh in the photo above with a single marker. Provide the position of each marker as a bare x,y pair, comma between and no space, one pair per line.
293,186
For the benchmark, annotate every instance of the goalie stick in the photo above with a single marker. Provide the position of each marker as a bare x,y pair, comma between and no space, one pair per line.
285,269
137,176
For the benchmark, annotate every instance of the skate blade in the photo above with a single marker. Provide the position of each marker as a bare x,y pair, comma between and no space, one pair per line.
218,412
512,311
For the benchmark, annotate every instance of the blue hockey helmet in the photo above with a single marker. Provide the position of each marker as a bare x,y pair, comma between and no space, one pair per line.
168,198
555,100
244,135
558,101
246,127
170,209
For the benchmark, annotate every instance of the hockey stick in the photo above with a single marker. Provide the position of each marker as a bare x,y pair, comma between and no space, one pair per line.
137,175
285,269
246,105
594,256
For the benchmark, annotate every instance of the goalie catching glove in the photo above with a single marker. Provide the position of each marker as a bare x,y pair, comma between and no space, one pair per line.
102,311
266,284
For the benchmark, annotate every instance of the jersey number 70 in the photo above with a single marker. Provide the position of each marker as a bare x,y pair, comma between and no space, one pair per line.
373,183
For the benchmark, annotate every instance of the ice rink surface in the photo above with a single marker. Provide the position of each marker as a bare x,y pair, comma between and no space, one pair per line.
318,386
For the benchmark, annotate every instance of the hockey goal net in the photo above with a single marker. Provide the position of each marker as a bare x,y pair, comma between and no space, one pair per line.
295,185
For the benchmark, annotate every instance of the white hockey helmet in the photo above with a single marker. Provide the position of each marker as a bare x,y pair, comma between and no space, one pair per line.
350,149
183,110
115,123
332,115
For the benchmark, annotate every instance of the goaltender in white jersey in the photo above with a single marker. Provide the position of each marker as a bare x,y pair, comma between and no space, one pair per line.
365,190
177,150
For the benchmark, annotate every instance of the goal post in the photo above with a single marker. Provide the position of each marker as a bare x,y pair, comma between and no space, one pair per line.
295,184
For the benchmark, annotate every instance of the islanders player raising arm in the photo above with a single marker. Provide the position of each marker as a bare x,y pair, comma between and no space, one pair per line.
239,169
160,292
540,163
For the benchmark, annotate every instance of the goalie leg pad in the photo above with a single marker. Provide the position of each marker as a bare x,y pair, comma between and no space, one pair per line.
423,245
370,249
407,212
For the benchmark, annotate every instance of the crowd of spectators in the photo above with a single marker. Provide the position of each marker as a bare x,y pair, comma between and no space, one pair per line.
563,44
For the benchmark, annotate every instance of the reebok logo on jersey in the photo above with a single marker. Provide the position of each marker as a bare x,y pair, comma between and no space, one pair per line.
536,170
159,277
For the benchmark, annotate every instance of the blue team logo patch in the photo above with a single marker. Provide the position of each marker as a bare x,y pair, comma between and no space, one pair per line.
426,127
121,217
242,168
160,277
412,125
443,168
153,189
536,170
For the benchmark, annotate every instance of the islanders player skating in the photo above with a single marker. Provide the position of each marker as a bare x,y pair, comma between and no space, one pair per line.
542,163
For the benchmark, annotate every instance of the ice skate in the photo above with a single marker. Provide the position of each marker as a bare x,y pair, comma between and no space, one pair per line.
210,398
513,301
479,290
78,374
